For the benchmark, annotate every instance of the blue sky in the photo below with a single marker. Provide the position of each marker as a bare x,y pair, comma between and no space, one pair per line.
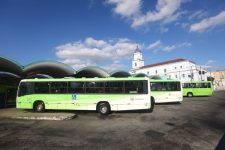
105,33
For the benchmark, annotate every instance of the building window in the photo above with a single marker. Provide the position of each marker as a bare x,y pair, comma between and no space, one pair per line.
175,76
183,75
147,72
165,70
175,67
169,76
156,72
180,66
135,64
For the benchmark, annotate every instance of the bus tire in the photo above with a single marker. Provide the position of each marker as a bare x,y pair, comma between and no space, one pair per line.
39,106
152,104
103,108
189,94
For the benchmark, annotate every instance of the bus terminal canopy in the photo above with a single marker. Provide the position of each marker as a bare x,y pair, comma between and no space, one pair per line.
40,76
91,72
156,77
9,67
48,69
140,75
54,69
119,74
8,75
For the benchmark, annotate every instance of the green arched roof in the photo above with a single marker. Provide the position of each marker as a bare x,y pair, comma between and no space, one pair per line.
8,74
92,71
156,77
141,75
120,73
8,65
52,68
40,76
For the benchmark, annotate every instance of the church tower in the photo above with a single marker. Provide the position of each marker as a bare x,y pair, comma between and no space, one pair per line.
138,60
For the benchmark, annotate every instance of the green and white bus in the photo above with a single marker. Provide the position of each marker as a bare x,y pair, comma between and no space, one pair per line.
202,88
101,94
165,91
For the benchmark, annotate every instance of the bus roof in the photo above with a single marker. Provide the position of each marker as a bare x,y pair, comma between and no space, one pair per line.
152,80
197,82
84,79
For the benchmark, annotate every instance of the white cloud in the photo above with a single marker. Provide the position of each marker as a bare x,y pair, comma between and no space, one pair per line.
126,8
92,42
173,17
158,45
176,46
96,52
207,23
185,25
209,62
165,11
198,14
155,45
163,30
114,67
169,48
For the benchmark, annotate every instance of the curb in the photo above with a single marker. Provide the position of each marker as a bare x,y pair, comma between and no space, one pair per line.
56,118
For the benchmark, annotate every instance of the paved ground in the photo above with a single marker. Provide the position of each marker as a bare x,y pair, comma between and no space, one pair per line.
197,123
14,113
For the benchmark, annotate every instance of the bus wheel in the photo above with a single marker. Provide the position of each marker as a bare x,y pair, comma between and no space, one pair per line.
189,94
152,104
39,106
103,108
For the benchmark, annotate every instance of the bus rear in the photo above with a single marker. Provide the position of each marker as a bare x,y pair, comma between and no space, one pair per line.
165,91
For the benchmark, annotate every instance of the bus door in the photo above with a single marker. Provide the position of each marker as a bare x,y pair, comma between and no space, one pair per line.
2,100
137,92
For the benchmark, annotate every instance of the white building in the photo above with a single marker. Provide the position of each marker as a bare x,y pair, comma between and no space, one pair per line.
179,69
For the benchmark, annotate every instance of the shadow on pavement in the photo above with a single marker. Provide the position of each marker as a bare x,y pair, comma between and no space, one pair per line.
169,103
221,144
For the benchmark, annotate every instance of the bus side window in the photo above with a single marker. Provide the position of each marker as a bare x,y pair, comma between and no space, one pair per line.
160,86
95,87
90,87
99,87
76,87
134,87
186,85
204,85
114,87
198,85
59,87
164,86
192,85
157,86
153,86
41,87
173,86
209,85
